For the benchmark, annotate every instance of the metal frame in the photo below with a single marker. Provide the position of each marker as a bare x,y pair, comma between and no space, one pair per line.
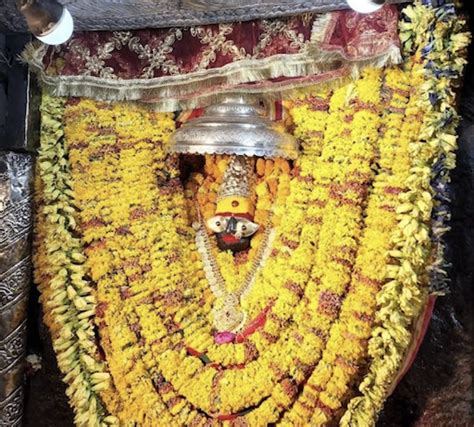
17,137
16,175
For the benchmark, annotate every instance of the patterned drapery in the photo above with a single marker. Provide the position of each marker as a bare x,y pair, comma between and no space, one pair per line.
189,67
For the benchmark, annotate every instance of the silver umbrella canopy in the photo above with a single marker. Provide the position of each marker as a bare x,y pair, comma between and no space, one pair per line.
233,127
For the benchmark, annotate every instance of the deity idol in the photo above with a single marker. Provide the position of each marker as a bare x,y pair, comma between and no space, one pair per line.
234,128
233,221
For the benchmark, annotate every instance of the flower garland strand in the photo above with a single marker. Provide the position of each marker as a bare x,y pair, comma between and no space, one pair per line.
60,273
437,32
441,89
119,192
335,166
342,233
346,348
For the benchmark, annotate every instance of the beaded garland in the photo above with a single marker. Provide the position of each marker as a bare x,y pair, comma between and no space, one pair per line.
331,310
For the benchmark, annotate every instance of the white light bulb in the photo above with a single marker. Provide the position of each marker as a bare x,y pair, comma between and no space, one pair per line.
365,6
61,32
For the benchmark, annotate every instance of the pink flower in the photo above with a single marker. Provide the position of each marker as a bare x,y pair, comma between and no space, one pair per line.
224,337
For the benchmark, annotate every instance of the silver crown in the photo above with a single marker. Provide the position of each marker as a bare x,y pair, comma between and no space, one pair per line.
233,127
237,177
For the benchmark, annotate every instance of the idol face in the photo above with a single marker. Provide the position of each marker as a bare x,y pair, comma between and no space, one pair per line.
233,231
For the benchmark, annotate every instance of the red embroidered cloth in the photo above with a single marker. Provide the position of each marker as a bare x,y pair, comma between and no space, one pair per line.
188,67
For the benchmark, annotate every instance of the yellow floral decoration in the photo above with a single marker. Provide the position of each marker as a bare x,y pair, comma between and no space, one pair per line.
331,310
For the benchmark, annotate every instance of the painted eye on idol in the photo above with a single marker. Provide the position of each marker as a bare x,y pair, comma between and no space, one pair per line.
246,228
217,224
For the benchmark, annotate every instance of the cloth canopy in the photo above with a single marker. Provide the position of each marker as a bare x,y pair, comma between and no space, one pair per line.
179,68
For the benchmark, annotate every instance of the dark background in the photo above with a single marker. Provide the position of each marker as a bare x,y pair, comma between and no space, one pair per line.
436,392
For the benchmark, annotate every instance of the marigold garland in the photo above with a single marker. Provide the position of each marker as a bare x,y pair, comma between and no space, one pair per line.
66,294
333,306
435,37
